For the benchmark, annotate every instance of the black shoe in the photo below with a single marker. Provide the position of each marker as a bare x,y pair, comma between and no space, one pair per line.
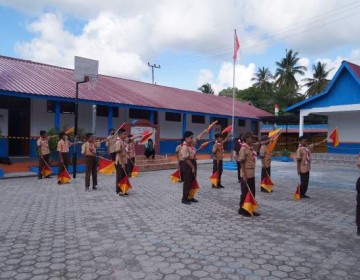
256,214
304,196
39,178
59,183
95,188
126,194
48,177
214,187
263,190
358,231
194,200
185,201
244,213
87,189
221,187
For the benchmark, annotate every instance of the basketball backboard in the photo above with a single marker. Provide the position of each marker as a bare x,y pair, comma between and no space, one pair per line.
85,68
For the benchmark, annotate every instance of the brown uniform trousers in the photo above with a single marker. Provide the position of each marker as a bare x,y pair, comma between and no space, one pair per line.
245,190
265,172
120,174
218,166
91,169
358,203
66,162
42,163
130,165
188,177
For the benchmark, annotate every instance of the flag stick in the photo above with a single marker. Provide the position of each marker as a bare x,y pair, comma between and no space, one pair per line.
233,92
47,164
251,193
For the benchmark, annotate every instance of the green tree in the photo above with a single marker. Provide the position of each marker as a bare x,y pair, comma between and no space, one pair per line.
257,97
206,88
228,92
286,70
262,79
319,81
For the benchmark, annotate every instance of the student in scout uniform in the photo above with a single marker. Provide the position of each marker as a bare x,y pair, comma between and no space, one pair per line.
237,146
131,152
247,158
110,144
177,152
63,150
149,149
303,157
120,160
88,149
358,200
218,155
265,157
44,151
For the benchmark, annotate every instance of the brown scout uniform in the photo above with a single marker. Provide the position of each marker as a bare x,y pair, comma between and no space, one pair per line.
266,162
120,161
63,147
89,151
303,154
218,154
110,144
187,152
44,153
358,200
131,154
247,157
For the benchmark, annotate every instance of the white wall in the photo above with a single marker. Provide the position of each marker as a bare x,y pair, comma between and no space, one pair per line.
348,124
40,118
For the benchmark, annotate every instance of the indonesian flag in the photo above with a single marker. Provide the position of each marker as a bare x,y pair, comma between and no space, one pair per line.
124,184
145,136
64,177
266,184
227,129
106,166
214,178
334,136
46,170
274,135
70,130
194,189
122,126
204,145
135,172
237,46
250,204
297,192
175,177
211,126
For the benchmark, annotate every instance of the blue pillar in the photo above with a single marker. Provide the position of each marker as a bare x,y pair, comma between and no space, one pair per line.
57,116
211,134
152,117
110,116
183,123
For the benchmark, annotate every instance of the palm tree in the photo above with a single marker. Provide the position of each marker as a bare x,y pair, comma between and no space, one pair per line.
262,79
206,88
318,82
286,71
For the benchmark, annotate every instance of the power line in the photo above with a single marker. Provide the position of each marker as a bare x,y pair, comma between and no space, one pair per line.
152,69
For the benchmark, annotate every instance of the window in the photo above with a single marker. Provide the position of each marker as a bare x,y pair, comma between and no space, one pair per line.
103,111
65,107
255,127
197,119
142,114
241,122
172,117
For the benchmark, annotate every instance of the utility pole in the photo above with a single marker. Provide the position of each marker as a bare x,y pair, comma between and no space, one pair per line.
152,69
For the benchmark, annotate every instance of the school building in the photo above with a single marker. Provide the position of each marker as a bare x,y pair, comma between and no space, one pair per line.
340,102
36,96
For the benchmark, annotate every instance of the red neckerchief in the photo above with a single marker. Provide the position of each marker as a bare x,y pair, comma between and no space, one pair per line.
190,146
45,140
308,153
91,148
244,145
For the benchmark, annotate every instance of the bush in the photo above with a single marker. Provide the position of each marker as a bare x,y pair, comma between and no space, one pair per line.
285,153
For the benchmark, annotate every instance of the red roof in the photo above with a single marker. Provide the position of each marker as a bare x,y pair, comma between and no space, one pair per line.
24,76
355,68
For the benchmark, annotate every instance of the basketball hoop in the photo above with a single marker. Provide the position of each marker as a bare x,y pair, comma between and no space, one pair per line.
91,81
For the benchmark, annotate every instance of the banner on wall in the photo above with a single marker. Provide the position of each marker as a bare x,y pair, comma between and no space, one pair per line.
140,129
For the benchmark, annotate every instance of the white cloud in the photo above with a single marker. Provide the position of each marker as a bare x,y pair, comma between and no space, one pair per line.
224,78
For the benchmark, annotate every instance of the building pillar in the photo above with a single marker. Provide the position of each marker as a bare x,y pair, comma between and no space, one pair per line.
57,116
301,124
184,116
152,117
110,117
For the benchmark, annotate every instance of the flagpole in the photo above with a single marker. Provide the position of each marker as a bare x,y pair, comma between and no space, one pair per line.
233,95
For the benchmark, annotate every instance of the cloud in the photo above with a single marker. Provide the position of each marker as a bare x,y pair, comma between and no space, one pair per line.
224,78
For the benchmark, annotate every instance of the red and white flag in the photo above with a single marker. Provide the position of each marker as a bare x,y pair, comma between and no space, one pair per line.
236,46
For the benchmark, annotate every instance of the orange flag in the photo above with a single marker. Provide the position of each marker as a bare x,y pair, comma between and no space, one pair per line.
124,184
204,145
194,189
266,184
334,136
211,126
70,130
236,47
122,126
145,136
106,166
227,129
274,135
297,192
175,177
135,172
46,170
64,177
214,178
250,204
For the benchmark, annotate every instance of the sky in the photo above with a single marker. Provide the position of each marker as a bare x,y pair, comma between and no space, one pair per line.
191,40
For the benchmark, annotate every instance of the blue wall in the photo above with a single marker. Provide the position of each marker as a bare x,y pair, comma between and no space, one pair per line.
4,147
345,148
169,146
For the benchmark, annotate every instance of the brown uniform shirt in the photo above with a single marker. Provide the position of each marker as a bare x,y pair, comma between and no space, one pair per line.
265,156
303,154
130,147
247,157
63,146
358,161
120,149
187,152
218,151
43,144
89,149
110,143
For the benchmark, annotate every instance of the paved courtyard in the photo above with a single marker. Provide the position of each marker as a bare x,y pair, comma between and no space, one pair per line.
49,231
